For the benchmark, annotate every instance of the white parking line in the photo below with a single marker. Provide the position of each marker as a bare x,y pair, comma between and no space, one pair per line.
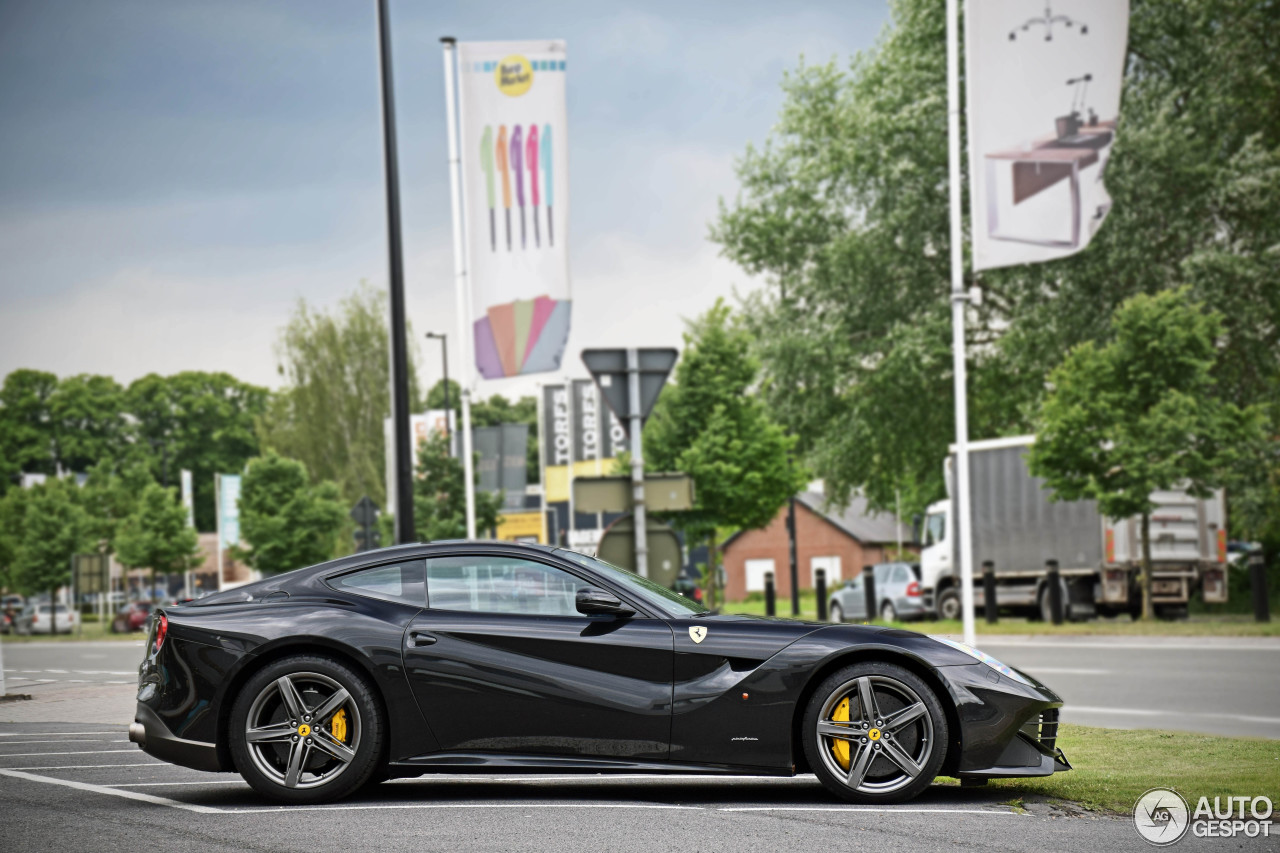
79,752
861,809
389,806
14,743
167,784
27,734
95,766
115,792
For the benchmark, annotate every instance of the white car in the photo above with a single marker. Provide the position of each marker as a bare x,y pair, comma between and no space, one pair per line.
38,619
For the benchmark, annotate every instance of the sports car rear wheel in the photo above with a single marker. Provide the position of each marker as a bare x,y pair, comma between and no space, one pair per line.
875,733
306,729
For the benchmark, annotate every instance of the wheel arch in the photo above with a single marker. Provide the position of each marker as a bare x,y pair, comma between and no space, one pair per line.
879,655
295,645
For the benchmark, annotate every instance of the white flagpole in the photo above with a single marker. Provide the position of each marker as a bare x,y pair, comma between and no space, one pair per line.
460,276
958,300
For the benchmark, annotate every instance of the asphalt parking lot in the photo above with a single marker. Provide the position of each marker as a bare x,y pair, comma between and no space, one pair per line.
82,785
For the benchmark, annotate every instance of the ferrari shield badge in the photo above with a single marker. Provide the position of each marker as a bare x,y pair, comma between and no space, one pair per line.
698,633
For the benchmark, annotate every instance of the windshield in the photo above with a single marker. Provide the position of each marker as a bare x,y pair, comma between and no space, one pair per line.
667,601
935,529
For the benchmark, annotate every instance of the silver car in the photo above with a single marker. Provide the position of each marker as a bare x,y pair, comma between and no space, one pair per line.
897,595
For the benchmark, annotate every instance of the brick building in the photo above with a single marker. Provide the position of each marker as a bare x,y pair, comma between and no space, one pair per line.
839,541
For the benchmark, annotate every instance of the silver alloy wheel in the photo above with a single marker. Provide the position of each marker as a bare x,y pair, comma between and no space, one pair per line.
888,613
888,750
284,728
836,613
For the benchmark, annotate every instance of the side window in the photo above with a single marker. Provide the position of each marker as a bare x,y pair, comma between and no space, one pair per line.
402,582
484,584
900,575
935,529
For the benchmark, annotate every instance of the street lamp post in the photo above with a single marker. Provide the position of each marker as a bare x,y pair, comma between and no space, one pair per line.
444,358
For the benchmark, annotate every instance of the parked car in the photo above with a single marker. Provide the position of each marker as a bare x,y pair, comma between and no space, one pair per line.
10,607
132,617
897,595
38,619
480,657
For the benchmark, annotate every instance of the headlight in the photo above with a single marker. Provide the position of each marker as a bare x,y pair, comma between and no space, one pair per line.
987,659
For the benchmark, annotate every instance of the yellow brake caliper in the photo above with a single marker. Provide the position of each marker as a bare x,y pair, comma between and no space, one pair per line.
338,725
841,747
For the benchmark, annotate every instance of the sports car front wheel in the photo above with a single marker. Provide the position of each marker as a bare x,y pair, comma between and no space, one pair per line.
306,729
875,733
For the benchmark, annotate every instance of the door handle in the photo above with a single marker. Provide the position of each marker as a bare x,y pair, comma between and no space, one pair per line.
421,638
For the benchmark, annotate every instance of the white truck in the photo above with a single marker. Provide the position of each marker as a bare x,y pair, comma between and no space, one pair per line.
1017,527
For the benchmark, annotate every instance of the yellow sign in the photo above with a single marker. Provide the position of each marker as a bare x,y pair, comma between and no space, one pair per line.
514,75
557,476
521,527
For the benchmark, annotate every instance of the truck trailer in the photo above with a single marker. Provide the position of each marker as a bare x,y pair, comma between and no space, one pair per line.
1019,528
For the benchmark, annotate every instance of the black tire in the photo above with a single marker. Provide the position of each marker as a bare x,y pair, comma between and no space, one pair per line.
888,613
922,739
835,613
949,604
268,765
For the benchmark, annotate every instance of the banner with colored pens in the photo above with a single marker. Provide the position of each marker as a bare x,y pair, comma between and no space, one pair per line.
515,191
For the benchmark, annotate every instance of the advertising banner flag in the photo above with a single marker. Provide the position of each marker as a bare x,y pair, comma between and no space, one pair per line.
1043,89
515,184
227,489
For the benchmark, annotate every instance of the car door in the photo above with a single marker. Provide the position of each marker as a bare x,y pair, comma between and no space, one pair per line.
901,579
501,661
854,600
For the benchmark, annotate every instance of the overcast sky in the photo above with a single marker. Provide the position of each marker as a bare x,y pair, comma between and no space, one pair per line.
175,175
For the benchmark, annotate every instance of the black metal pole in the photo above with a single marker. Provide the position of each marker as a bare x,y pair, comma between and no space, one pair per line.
1054,592
399,345
989,591
869,591
1258,584
770,596
795,572
820,589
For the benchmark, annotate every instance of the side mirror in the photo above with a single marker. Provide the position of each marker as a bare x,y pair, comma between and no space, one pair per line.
596,602
917,521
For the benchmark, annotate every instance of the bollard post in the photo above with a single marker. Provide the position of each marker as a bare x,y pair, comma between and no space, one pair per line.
1055,592
820,590
989,591
1258,579
770,596
869,588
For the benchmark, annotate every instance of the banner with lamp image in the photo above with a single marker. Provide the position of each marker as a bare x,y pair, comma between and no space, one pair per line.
1042,83
515,183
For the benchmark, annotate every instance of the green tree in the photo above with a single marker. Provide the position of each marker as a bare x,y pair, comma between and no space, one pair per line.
26,426
87,416
439,500
203,422
288,521
1137,414
109,497
52,529
844,214
710,426
156,535
330,416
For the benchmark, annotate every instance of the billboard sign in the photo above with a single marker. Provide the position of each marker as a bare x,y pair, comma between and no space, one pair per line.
515,184
1043,92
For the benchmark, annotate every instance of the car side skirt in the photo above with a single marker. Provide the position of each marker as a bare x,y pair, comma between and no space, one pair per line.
490,762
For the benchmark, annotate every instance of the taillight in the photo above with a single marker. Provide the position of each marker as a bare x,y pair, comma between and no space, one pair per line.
1111,545
913,589
35,617
1222,546
697,594
162,628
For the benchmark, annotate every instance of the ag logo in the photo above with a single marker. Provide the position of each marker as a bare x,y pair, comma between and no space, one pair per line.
1161,816
698,633
514,75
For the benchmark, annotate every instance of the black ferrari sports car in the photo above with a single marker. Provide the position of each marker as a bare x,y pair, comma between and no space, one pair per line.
489,656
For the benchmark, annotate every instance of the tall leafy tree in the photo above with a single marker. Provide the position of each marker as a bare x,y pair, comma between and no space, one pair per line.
330,415
53,528
439,500
203,422
709,425
844,213
156,535
26,426
288,521
87,416
1137,414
